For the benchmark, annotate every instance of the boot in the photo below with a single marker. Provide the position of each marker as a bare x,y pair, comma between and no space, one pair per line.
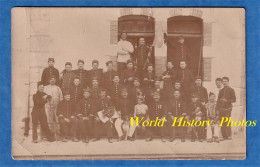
163,139
130,138
110,140
149,139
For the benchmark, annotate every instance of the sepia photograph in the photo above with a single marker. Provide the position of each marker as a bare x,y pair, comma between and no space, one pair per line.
123,83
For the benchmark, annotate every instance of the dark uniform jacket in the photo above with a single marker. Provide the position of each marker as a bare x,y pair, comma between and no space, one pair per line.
229,94
140,56
192,109
186,77
201,92
95,73
47,73
115,93
76,93
67,80
157,109
150,82
108,79
95,92
176,107
39,102
126,106
65,109
127,74
102,104
168,82
85,107
149,94
82,74
181,52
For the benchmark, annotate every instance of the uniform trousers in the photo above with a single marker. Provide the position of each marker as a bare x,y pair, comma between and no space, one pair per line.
67,128
225,130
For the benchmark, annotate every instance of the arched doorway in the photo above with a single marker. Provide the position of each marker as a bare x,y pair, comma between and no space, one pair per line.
137,26
191,29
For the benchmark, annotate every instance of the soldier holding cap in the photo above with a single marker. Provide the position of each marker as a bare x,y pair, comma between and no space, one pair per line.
49,71
81,73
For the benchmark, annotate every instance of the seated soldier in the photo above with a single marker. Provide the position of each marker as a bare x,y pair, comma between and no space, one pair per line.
103,114
197,112
212,115
149,77
200,91
38,114
125,108
128,75
95,89
157,109
156,88
67,118
176,110
85,111
169,76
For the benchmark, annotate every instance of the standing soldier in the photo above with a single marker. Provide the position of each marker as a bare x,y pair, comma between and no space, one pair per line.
115,90
81,73
197,113
85,111
124,50
157,109
76,91
103,105
200,91
186,78
125,108
67,77
38,114
51,107
95,72
169,76
49,71
95,89
128,75
142,57
108,76
182,52
176,110
67,118
226,97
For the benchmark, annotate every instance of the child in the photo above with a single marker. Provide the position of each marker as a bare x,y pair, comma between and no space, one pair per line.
212,114
39,115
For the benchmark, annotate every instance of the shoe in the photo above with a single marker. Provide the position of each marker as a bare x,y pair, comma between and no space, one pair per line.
148,139
35,141
229,138
182,139
121,138
217,139
63,139
222,139
51,140
130,138
171,139
96,139
200,140
85,140
110,140
163,139
75,139
209,140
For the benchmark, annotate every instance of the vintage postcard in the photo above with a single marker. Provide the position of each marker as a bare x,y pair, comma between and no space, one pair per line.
128,83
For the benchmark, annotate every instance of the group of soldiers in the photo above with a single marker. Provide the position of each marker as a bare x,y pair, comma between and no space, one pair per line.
83,104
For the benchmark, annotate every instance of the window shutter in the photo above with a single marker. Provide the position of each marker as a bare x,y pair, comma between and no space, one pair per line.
113,32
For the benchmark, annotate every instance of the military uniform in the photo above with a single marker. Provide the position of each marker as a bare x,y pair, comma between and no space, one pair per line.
39,115
201,92
125,75
126,108
157,109
102,105
168,82
181,52
148,81
82,74
76,93
97,73
195,115
115,93
134,92
108,79
95,92
66,110
85,111
67,80
225,108
176,108
186,77
47,73
140,57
